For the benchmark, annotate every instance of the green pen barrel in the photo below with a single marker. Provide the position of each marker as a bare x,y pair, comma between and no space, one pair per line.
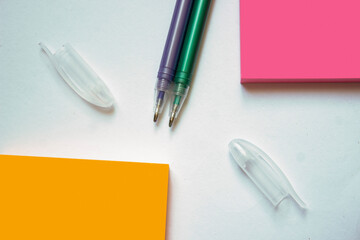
190,48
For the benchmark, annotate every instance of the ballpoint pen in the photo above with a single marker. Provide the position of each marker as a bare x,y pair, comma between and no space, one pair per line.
188,55
171,54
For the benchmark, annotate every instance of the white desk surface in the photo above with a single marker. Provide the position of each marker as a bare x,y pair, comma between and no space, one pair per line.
311,130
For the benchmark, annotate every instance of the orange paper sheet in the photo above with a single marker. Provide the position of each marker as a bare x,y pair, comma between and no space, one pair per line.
56,198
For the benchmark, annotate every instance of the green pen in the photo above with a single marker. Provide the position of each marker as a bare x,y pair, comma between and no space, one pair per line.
188,55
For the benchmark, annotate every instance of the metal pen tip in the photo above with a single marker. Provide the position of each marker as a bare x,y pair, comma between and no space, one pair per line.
156,115
171,121
157,109
172,116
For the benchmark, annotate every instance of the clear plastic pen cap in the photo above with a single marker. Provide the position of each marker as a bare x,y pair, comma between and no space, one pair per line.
79,76
263,172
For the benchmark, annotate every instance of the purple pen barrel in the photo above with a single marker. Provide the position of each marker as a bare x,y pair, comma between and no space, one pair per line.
171,53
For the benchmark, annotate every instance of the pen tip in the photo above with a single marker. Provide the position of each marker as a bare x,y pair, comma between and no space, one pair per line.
173,114
156,115
171,121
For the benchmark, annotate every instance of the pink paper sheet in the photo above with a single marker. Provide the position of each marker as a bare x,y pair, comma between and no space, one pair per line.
300,40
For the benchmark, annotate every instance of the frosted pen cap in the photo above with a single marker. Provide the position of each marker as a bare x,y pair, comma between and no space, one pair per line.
79,76
262,170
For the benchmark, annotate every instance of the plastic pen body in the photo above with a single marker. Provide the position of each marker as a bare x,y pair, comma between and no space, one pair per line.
171,53
188,55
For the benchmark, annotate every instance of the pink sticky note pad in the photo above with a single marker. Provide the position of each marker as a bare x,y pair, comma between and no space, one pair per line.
300,40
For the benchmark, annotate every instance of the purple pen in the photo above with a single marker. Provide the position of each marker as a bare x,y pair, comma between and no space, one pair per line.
171,54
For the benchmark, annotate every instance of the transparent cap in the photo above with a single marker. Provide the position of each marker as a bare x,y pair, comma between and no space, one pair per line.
79,76
261,169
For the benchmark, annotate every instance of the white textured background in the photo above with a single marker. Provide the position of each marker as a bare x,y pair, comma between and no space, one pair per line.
311,130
